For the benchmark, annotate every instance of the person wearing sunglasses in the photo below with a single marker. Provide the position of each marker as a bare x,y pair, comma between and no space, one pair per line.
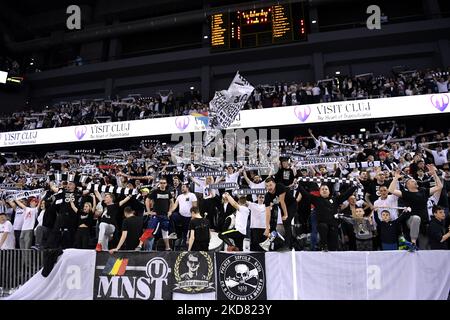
193,264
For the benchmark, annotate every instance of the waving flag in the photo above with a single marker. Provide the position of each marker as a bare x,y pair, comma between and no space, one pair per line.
226,105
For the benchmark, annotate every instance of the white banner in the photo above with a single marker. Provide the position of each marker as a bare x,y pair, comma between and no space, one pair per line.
387,275
303,114
72,278
279,280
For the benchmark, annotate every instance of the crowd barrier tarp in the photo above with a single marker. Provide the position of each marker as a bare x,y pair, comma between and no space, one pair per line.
331,275
378,275
425,276
289,115
388,275
280,283
72,278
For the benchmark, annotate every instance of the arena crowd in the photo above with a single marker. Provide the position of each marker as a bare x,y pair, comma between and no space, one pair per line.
167,103
385,190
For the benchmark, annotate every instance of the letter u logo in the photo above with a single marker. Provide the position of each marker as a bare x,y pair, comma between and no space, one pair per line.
157,268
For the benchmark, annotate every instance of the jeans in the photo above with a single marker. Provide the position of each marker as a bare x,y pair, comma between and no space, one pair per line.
26,239
328,235
413,224
364,245
106,231
292,210
389,246
40,233
181,224
148,244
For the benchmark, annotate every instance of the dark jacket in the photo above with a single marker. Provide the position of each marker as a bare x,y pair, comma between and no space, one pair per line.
389,231
436,230
326,208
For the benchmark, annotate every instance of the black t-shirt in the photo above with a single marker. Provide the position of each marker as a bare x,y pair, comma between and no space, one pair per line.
443,199
366,185
85,218
67,217
110,213
161,201
137,205
65,206
200,227
374,190
133,226
285,176
418,202
275,197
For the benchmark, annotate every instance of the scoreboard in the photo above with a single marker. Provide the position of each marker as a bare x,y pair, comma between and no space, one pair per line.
258,27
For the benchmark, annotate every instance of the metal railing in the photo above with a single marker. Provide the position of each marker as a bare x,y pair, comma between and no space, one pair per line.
17,267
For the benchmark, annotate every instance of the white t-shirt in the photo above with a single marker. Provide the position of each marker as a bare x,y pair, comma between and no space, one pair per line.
390,201
241,219
18,219
316,91
185,204
29,218
432,201
10,242
257,215
440,157
442,86
253,185
232,177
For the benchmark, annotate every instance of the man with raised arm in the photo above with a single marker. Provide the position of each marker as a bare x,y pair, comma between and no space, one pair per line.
417,199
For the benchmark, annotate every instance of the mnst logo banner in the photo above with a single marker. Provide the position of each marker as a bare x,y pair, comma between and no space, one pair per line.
133,276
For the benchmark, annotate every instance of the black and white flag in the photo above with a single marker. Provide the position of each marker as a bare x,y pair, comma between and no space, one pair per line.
241,276
193,272
226,105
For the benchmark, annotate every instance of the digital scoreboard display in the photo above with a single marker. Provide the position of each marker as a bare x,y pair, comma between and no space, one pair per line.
258,27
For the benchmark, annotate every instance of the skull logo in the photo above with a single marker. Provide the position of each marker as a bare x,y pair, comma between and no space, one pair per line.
242,273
